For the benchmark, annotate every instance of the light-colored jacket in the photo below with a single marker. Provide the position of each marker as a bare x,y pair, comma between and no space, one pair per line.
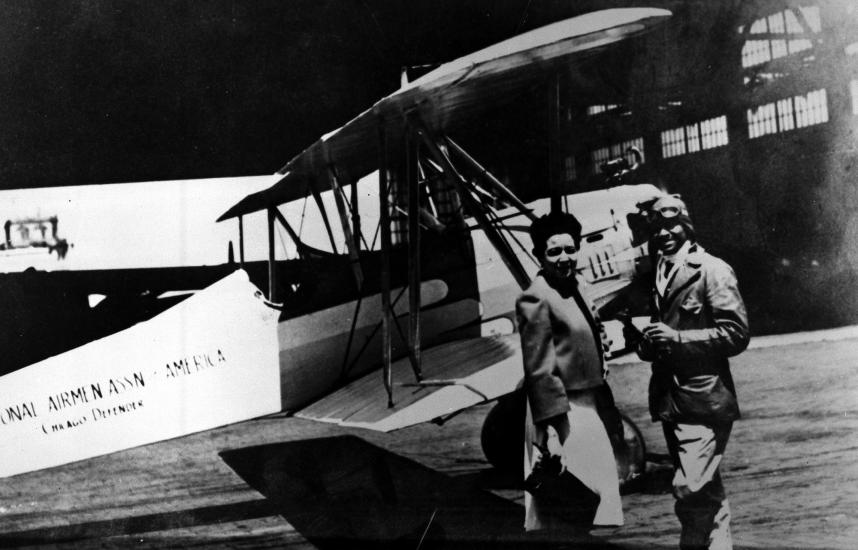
561,347
691,382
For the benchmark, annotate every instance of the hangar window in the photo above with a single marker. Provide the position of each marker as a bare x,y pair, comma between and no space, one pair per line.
762,120
692,137
788,114
755,52
811,109
673,143
569,173
623,149
593,110
783,33
713,132
854,86
852,14
695,137
600,155
785,114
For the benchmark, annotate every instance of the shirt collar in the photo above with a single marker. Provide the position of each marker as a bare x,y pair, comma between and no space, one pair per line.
678,256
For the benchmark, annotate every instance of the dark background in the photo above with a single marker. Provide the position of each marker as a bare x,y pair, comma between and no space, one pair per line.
106,91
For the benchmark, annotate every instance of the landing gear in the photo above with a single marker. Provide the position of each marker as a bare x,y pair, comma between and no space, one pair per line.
502,439
629,454
502,436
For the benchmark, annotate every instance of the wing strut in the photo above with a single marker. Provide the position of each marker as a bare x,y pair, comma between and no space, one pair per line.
493,182
272,264
475,208
241,240
553,143
384,225
355,213
318,198
412,147
299,244
351,243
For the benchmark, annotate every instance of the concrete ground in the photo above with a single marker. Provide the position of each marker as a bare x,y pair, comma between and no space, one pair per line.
791,470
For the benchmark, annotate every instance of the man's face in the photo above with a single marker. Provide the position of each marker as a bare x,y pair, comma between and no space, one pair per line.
669,237
561,257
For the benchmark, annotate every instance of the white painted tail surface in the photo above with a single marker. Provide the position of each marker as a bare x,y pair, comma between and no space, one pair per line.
209,361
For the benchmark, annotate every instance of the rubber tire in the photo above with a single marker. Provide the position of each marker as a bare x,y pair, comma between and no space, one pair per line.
502,440
630,458
502,434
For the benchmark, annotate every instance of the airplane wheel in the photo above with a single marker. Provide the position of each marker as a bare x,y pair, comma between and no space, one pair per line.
502,440
630,456
502,436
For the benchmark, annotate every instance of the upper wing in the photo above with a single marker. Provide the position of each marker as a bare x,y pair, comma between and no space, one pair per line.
452,95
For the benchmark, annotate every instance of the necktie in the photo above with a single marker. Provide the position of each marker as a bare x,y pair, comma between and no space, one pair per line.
667,267
661,277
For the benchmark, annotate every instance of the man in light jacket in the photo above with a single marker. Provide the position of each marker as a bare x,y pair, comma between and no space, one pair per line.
699,321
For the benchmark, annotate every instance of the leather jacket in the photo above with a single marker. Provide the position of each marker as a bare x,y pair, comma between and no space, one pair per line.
691,380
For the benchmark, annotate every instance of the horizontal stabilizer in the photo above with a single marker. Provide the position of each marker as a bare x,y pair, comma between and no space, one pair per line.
206,362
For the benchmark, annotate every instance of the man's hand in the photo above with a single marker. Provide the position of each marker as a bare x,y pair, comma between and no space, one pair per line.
661,336
631,334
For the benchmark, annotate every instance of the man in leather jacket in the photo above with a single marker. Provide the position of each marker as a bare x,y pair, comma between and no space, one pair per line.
699,321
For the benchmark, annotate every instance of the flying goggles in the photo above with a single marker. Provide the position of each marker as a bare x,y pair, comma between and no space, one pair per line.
667,213
664,220
556,250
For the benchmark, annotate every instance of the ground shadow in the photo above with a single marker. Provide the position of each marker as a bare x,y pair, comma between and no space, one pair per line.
656,479
342,492
75,533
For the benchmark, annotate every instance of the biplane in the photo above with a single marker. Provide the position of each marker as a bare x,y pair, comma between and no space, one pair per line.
425,298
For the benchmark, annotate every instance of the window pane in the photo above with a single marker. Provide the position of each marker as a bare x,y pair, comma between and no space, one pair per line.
755,52
777,26
569,173
693,137
761,121
785,115
759,50
599,156
638,144
794,27
811,15
673,143
854,86
596,109
713,132
811,109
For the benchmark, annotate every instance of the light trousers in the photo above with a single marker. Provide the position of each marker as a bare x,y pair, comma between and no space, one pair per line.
701,504
587,453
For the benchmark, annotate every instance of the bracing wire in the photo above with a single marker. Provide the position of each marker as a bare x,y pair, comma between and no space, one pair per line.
283,241
303,215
